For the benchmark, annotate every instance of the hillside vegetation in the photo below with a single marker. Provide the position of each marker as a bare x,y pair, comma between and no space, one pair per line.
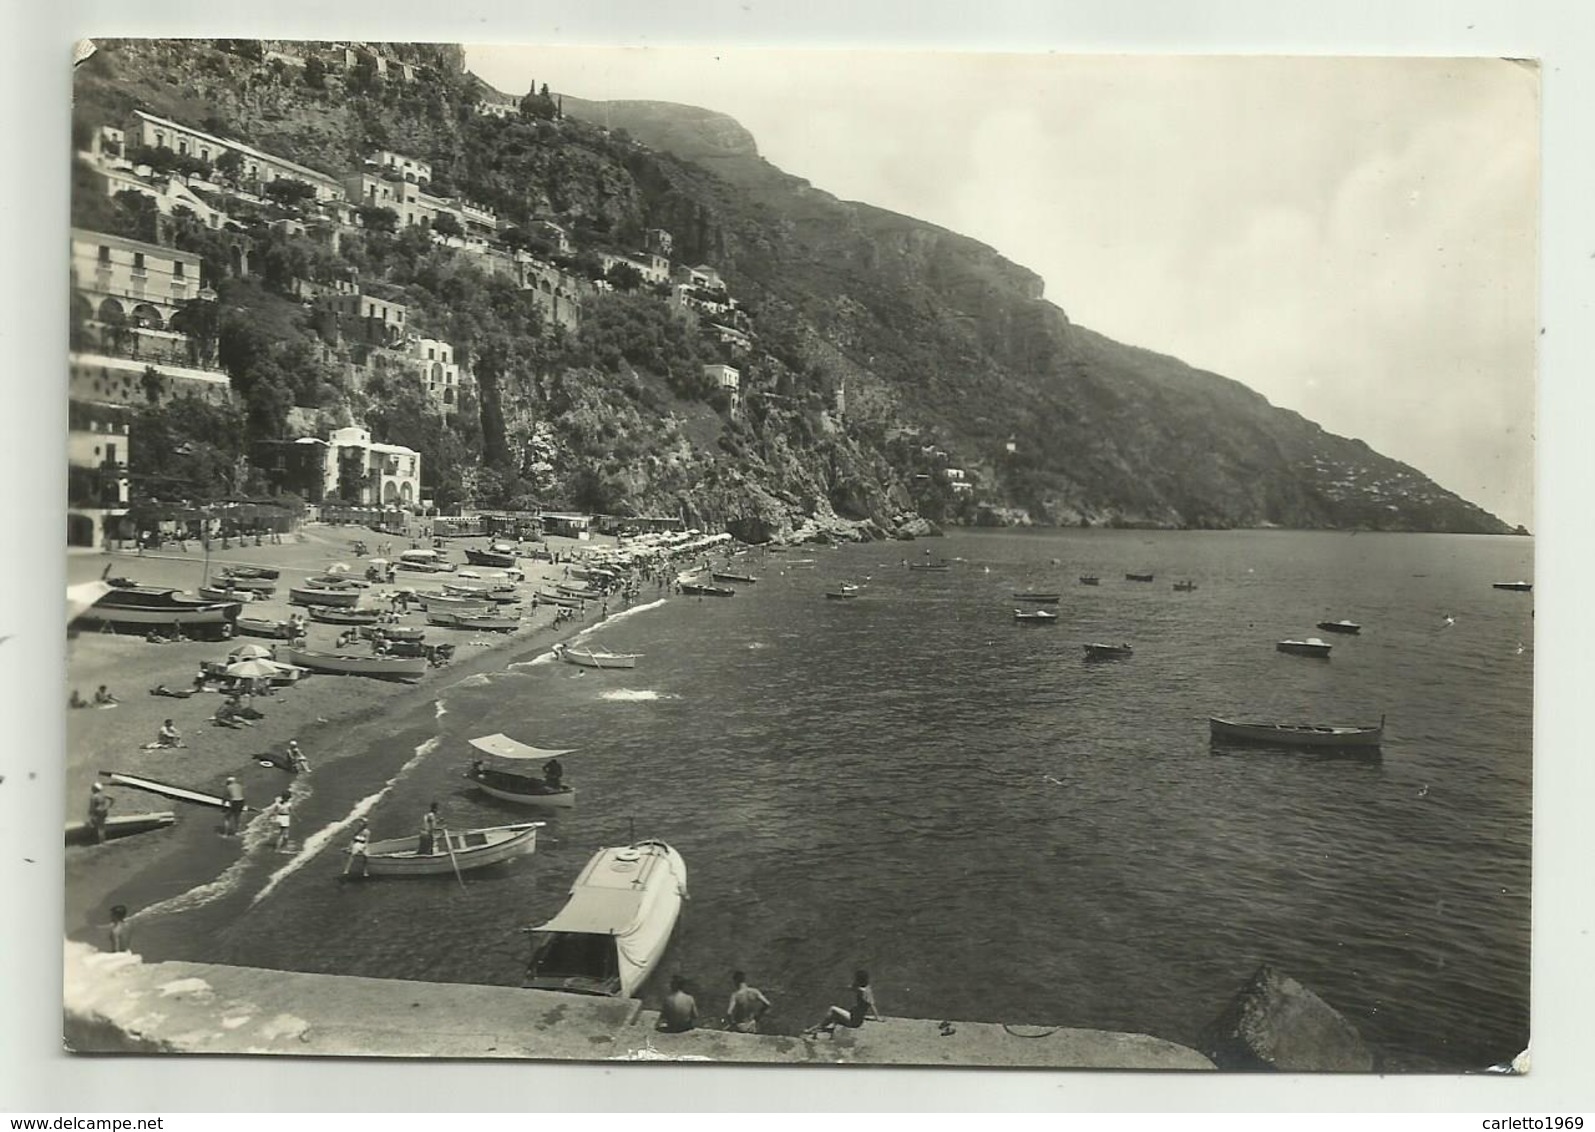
892,362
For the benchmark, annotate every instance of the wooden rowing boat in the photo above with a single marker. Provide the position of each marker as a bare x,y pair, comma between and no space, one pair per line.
1089,580
1296,734
699,589
1312,646
1139,577
1095,651
332,616
724,576
1034,617
1038,598
314,596
465,850
382,667
1519,587
124,825
1349,627
614,929
596,658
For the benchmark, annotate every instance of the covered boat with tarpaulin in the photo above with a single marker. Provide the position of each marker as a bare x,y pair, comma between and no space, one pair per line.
507,773
614,929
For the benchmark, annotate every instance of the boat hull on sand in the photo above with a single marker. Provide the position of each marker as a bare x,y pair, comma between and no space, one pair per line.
81,833
381,667
327,599
488,558
613,931
1295,734
472,849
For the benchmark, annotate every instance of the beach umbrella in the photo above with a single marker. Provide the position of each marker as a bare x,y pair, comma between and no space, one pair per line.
338,568
250,652
253,669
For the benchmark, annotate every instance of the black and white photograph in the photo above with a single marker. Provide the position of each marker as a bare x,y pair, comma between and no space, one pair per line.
805,557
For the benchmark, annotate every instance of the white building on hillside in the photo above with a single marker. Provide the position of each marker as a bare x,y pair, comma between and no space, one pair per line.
386,474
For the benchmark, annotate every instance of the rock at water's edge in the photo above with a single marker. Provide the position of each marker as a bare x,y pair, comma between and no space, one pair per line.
1276,1023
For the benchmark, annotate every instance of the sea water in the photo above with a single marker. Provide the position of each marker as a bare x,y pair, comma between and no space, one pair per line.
997,829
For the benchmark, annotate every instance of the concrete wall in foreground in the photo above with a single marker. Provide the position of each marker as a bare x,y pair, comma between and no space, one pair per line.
118,1003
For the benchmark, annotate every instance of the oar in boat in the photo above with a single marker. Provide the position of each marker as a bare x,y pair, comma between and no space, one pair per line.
453,860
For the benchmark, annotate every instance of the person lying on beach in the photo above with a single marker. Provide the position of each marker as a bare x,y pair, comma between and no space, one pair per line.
163,690
227,716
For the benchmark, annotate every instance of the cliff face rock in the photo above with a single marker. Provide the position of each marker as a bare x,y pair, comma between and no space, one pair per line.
885,352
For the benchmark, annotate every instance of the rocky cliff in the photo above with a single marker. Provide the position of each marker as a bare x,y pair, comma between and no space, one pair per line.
889,366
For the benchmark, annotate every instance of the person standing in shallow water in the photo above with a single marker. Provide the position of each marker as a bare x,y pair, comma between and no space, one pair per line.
121,935
431,823
99,811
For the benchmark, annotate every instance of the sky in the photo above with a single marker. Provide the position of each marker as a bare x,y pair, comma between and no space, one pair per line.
1355,239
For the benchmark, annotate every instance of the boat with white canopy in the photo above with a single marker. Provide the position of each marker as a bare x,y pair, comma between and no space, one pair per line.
506,773
613,931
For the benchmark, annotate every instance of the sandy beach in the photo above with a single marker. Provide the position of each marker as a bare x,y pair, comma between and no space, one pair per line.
328,715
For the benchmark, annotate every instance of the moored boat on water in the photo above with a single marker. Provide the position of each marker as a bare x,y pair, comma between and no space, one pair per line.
699,589
1296,734
612,932
462,851
1089,580
1349,627
505,779
1519,587
1034,617
1039,597
1312,646
725,576
1097,651
596,658
841,595
1184,587
1139,577
382,667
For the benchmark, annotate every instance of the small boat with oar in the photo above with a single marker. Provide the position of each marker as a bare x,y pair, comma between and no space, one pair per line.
451,852
1517,587
1312,646
507,774
124,825
613,931
596,658
1034,617
1098,651
1089,580
1347,627
164,790
1320,735
1039,597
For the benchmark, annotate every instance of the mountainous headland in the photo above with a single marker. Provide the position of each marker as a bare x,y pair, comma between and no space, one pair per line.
645,317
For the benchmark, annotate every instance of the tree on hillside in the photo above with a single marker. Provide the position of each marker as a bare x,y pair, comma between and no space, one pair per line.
315,73
377,219
445,224
289,192
229,166
624,277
